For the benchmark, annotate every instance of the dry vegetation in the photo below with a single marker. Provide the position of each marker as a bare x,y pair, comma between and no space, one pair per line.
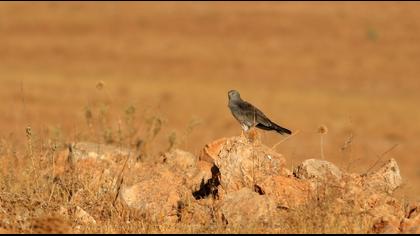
155,76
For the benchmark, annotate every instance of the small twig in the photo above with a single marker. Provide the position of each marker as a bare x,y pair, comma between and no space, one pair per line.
1,208
283,140
322,147
52,191
70,158
379,158
53,172
322,130
25,111
120,179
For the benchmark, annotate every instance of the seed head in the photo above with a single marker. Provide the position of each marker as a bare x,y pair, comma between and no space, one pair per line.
28,131
323,129
100,85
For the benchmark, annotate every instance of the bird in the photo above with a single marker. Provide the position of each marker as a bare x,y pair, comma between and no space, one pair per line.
249,116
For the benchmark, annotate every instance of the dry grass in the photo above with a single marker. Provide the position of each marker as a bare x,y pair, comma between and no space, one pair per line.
34,199
155,76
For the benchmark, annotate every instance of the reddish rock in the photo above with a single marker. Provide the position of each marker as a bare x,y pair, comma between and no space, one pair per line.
387,224
239,182
212,150
287,192
245,208
156,196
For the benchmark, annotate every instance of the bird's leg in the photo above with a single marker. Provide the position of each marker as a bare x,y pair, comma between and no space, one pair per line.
253,134
243,131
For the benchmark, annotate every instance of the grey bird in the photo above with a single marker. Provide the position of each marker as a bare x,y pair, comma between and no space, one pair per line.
249,116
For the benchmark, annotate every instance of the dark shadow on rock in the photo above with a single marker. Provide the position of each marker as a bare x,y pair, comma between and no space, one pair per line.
209,187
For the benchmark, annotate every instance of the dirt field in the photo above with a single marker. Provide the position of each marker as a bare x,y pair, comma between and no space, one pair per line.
78,71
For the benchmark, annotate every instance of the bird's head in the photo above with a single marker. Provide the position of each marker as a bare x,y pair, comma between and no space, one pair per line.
234,95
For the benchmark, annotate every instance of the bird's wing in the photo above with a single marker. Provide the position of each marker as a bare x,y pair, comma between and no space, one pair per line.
253,114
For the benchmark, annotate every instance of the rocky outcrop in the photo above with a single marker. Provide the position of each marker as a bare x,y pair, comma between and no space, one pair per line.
245,165
239,183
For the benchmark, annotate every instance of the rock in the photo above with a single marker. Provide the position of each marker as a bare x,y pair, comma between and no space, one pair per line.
83,217
411,225
388,224
196,213
86,156
63,212
366,193
97,151
318,170
384,212
386,179
161,190
412,210
241,183
245,208
201,176
156,195
212,150
243,165
286,191
194,174
185,165
181,160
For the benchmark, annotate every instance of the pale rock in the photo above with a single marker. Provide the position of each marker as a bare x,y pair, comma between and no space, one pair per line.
386,179
245,208
83,217
318,170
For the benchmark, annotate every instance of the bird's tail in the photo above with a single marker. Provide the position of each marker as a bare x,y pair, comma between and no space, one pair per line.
280,129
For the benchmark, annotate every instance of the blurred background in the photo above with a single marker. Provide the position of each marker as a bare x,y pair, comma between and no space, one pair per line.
352,67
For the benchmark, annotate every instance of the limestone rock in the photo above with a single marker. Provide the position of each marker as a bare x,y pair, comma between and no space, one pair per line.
179,159
196,213
286,191
97,151
156,195
239,182
83,217
317,169
245,208
242,164
386,179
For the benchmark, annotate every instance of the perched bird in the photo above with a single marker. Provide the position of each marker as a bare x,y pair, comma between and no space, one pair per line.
249,116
